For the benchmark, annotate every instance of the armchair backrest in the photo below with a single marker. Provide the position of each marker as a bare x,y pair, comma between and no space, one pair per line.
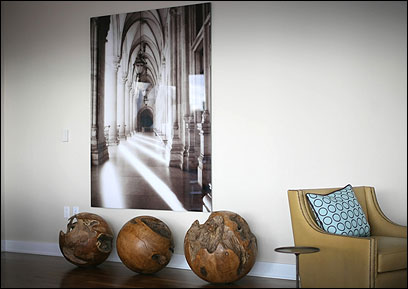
360,193
365,195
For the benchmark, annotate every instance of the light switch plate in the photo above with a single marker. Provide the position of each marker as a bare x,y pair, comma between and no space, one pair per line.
65,135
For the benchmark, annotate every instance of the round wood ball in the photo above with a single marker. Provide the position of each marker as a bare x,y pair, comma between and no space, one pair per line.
222,250
88,240
145,244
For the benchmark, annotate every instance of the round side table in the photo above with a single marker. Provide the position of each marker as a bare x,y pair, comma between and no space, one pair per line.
297,251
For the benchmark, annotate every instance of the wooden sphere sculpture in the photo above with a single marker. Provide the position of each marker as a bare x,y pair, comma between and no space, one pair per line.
145,244
222,250
88,240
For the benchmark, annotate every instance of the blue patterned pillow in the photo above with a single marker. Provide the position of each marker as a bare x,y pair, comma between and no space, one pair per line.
340,213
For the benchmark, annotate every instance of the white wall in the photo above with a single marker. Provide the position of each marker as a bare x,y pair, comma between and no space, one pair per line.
304,95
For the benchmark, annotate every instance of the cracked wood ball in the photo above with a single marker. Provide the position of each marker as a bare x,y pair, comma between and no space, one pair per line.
222,250
145,244
88,240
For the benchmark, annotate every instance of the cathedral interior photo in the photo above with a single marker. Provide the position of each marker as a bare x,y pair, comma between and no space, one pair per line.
151,109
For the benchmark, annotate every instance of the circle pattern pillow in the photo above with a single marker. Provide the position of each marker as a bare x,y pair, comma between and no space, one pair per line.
340,213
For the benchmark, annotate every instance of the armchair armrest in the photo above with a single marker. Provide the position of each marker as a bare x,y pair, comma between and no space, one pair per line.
379,223
342,261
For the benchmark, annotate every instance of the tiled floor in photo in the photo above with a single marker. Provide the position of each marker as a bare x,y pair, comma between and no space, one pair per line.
137,176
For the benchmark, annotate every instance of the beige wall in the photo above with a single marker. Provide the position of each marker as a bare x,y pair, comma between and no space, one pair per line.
304,95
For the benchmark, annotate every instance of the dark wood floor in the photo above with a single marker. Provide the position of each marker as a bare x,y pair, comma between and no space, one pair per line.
38,271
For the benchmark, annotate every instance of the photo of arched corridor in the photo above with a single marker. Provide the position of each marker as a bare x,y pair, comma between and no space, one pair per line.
151,109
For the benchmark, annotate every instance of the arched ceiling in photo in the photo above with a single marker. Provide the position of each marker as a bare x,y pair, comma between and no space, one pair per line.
144,28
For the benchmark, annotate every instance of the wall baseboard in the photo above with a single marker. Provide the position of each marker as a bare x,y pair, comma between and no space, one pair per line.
260,269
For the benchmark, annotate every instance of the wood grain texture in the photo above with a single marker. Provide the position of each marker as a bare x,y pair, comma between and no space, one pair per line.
87,241
145,244
222,250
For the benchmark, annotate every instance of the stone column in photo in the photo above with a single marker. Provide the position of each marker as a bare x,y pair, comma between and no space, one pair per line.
131,109
177,147
99,30
121,105
135,107
184,61
186,120
128,86
204,160
207,63
111,100
191,161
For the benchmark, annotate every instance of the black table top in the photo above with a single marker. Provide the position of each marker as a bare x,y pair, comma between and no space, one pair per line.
297,250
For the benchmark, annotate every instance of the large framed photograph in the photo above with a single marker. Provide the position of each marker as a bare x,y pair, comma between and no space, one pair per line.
151,109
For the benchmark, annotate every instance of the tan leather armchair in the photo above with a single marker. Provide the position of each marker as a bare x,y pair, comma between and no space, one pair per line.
377,261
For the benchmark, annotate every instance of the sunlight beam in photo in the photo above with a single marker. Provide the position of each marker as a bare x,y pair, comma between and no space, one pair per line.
111,189
148,152
149,139
154,181
155,146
